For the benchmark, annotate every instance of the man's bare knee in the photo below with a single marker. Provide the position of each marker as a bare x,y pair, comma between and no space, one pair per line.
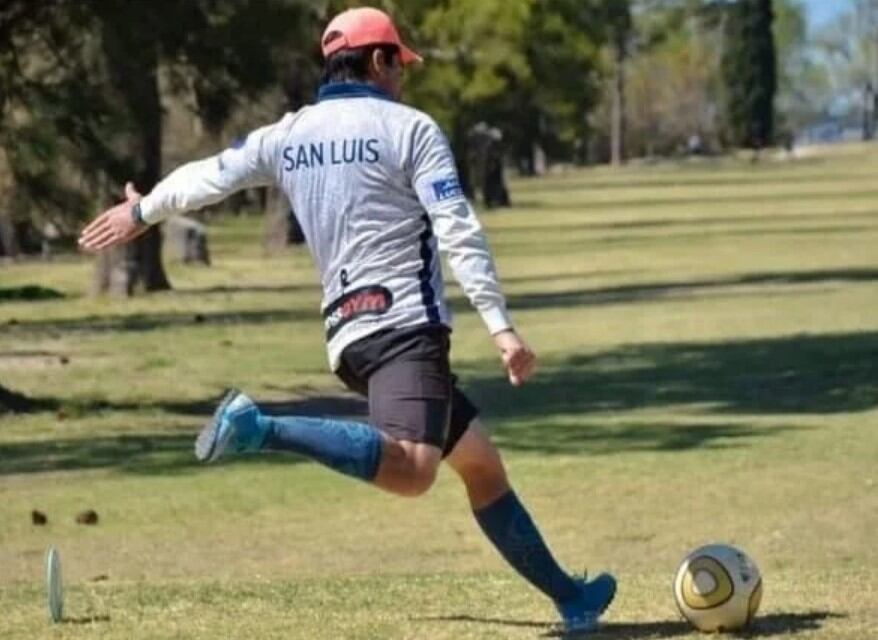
419,482
407,468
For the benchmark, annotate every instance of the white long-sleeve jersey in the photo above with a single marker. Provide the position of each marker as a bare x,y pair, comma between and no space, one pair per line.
373,185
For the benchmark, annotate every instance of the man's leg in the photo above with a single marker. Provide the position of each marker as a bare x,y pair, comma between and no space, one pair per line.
398,466
353,448
510,528
503,518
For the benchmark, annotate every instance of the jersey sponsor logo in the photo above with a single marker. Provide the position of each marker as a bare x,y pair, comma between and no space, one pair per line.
369,300
310,155
447,188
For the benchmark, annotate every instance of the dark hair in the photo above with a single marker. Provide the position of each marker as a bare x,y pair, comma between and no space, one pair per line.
352,65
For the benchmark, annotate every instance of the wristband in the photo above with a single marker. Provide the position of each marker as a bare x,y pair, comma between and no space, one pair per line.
137,215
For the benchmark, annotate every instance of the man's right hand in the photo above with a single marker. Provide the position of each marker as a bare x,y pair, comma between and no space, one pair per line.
114,226
518,359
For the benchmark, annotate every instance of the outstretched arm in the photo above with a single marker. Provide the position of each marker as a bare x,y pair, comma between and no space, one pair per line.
189,187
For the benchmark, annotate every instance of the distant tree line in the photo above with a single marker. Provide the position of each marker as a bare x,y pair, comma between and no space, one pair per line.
85,87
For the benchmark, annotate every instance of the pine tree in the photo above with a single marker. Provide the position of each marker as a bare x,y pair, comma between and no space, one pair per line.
749,73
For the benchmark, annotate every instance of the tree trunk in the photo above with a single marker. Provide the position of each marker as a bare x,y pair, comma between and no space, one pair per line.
147,256
869,101
134,68
8,238
617,132
460,148
147,250
874,112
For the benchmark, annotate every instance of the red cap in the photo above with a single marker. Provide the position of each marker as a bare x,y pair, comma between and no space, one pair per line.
362,27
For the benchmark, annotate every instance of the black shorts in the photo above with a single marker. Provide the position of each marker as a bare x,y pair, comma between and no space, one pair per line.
412,393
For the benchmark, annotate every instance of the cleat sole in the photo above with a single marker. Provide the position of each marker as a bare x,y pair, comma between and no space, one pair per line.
205,443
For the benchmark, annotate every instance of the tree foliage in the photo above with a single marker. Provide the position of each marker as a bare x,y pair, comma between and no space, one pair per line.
83,85
749,70
48,105
530,67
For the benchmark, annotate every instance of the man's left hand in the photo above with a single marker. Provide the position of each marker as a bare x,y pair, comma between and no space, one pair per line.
114,226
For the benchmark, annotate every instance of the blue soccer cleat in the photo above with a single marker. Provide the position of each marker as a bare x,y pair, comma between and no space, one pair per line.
233,423
582,612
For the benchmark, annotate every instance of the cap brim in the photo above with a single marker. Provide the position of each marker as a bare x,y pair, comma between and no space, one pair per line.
407,56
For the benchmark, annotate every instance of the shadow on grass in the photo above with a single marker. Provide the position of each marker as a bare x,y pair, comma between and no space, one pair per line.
562,409
29,293
566,242
775,624
594,439
764,626
621,294
463,617
651,291
158,321
160,452
86,620
336,405
251,288
668,180
145,453
803,374
669,198
686,223
14,402
568,274
141,453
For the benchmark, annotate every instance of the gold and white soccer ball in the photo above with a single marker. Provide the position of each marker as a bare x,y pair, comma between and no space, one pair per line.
718,588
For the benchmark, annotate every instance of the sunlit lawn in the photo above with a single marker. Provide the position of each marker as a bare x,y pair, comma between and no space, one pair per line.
709,344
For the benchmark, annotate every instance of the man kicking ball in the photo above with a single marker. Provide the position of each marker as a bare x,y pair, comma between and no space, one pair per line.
375,189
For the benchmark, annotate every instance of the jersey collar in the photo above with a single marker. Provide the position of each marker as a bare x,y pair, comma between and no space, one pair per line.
337,90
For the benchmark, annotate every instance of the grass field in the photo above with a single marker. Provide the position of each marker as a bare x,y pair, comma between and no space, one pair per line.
709,344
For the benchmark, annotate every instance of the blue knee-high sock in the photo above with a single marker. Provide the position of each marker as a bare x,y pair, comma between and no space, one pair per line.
509,526
351,448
